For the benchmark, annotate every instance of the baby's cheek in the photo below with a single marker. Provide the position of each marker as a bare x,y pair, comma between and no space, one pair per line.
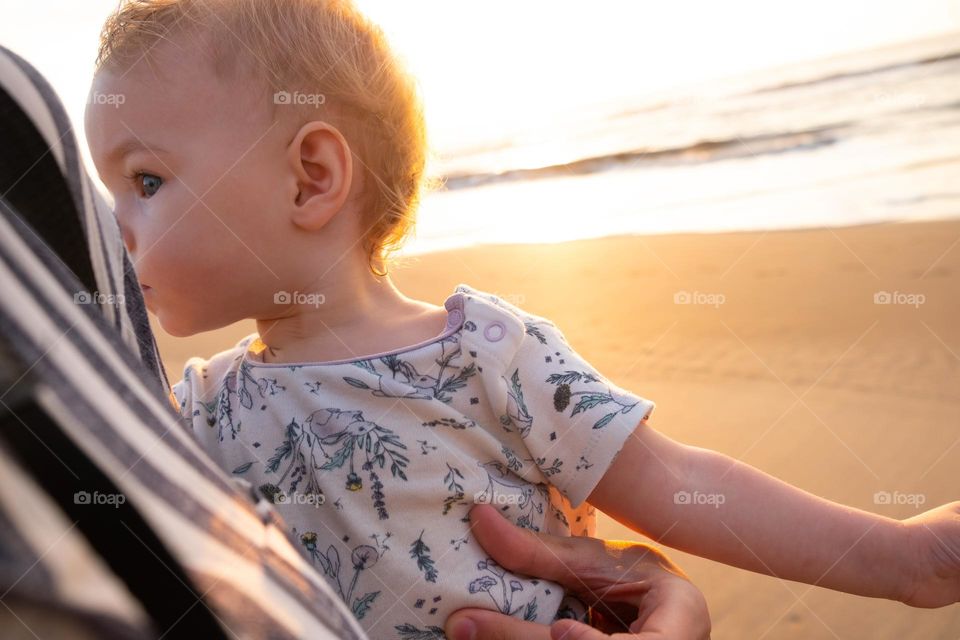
183,300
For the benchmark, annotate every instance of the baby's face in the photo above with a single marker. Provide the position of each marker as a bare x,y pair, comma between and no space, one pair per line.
196,168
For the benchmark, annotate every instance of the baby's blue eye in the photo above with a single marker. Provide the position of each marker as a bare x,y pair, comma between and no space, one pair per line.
149,183
145,183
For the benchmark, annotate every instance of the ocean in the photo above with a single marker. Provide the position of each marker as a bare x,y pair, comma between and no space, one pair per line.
864,138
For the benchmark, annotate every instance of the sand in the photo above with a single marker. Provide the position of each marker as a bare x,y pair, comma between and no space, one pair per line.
787,364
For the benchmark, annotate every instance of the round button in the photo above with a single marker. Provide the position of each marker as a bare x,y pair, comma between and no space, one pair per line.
454,318
494,331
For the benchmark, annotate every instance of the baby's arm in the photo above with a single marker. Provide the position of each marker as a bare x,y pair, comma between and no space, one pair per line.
711,505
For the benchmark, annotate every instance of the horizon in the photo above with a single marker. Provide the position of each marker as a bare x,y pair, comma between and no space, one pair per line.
474,93
770,154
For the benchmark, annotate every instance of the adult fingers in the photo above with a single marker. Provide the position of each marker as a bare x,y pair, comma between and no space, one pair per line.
474,624
573,630
572,562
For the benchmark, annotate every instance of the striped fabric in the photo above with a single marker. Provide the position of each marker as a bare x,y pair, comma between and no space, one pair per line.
113,522
39,140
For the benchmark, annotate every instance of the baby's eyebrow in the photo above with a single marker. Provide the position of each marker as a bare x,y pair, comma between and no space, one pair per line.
130,145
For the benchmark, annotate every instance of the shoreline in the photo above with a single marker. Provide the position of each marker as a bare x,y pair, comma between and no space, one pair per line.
799,227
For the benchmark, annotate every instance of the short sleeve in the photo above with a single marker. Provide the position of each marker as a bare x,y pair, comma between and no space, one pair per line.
180,396
174,402
572,419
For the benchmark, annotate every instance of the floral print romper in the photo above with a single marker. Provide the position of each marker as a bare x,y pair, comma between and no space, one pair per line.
374,463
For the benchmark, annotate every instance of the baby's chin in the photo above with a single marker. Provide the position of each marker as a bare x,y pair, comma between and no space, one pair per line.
175,328
183,326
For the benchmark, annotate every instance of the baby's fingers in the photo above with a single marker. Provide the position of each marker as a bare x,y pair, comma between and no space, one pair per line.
476,624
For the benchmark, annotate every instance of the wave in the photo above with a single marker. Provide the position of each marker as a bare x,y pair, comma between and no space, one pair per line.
853,74
703,151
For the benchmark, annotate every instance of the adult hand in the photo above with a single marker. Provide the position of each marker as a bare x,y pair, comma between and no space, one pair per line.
637,593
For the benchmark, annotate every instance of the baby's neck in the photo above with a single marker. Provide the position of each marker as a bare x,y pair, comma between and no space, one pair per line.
350,325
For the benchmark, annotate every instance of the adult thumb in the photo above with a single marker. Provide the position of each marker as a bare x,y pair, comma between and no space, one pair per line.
481,624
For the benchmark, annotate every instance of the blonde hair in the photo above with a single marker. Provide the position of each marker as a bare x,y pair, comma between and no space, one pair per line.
322,47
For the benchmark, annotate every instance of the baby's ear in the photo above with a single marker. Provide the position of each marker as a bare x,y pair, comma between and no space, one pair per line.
322,165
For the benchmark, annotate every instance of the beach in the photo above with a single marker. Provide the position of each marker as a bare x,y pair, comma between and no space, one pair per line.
827,357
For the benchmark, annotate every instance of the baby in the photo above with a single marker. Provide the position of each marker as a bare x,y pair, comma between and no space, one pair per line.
265,159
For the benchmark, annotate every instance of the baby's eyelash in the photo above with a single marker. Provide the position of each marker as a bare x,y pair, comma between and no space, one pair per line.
135,180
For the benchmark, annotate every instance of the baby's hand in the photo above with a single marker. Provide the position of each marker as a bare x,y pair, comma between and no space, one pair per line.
935,544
